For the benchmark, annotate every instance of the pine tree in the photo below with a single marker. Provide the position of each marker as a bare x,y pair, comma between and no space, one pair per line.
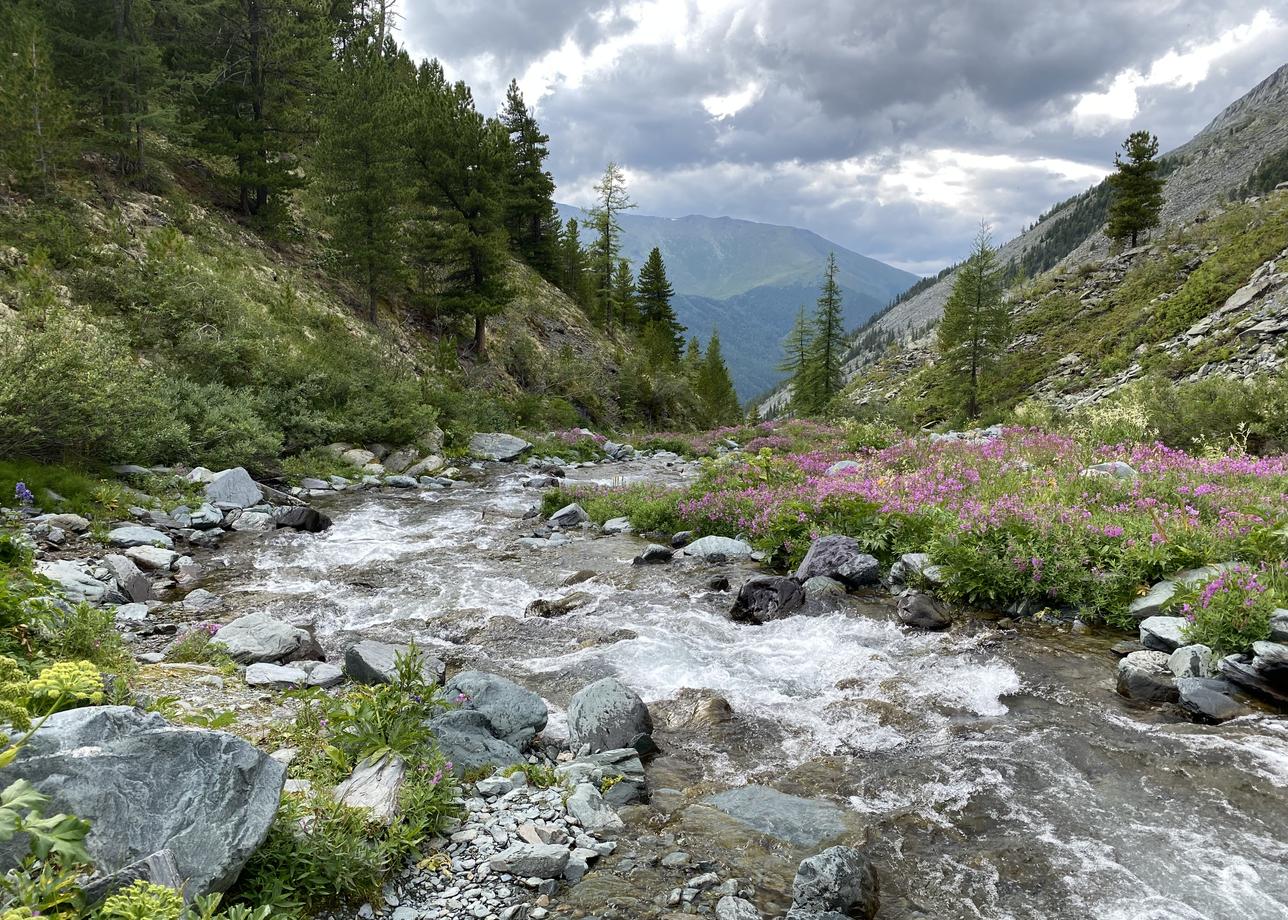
256,67
458,160
1137,189
796,352
625,306
975,327
822,377
612,199
574,277
34,115
715,388
360,164
655,293
530,216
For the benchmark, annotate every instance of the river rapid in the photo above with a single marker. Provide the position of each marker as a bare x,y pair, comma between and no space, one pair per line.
991,773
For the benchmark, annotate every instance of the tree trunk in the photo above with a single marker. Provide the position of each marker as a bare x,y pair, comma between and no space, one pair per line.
480,332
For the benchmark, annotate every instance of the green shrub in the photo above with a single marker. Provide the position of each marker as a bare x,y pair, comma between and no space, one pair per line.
85,632
1231,611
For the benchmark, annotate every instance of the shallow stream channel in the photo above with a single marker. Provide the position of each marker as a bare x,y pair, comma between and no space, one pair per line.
990,773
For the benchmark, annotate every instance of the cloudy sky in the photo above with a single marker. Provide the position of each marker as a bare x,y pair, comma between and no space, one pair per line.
890,126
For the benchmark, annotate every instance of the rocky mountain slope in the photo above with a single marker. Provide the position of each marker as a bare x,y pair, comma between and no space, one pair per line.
748,279
1203,173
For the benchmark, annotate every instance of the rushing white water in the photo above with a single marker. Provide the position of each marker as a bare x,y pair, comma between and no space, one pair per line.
1005,780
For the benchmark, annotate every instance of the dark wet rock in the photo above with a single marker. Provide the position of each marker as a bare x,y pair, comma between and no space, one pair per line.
921,611
654,554
577,578
308,520
541,482
765,598
1192,661
795,820
1279,626
1163,634
514,714
1208,700
145,786
558,607
1270,659
693,709
840,879
719,583
497,446
371,662
801,913
465,738
234,489
1238,669
681,539
260,637
569,516
820,586
620,773
839,557
607,715
1145,676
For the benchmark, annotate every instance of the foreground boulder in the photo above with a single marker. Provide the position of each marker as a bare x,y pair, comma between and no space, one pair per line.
1146,676
261,637
765,598
234,489
1207,700
1163,634
465,738
371,662
839,879
137,535
608,715
514,714
921,611
840,558
145,786
497,446
714,549
569,516
305,519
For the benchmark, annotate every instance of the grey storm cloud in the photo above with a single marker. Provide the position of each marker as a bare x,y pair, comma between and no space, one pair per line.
834,82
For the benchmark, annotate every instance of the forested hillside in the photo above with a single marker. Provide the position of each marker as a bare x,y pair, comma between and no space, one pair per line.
232,231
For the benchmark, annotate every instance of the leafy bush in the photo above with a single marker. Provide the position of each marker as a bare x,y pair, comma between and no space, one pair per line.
1231,611
143,901
85,632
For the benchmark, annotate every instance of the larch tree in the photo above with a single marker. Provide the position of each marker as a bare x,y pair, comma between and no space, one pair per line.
715,387
1137,189
34,114
624,297
574,274
611,200
657,317
975,328
530,216
822,376
796,352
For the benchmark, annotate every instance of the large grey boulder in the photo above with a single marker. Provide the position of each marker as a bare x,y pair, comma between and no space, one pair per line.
145,785
1242,670
790,818
233,489
1112,469
514,714
840,879
152,558
465,738
711,548
1270,659
608,715
839,557
136,535
569,516
1163,634
497,446
371,662
921,611
1208,700
1146,676
1192,661
132,582
260,637
309,520
587,806
75,583
532,860
374,785
765,598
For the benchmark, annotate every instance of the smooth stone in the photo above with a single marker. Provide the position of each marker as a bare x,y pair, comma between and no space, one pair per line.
587,806
152,558
260,637
766,598
607,715
497,446
374,785
1208,700
795,820
371,662
465,738
274,676
724,547
233,488
921,611
325,675
1146,676
1192,661
136,535
515,714
1163,634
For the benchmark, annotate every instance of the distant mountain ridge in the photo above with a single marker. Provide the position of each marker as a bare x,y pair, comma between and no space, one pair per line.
1203,172
748,279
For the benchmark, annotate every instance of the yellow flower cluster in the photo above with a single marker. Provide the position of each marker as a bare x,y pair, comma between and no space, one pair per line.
142,901
71,682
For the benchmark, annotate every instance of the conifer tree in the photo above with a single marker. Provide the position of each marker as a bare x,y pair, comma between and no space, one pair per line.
975,327
34,115
822,371
715,388
655,293
459,162
256,67
796,352
530,214
1137,189
611,200
574,277
625,305
360,164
